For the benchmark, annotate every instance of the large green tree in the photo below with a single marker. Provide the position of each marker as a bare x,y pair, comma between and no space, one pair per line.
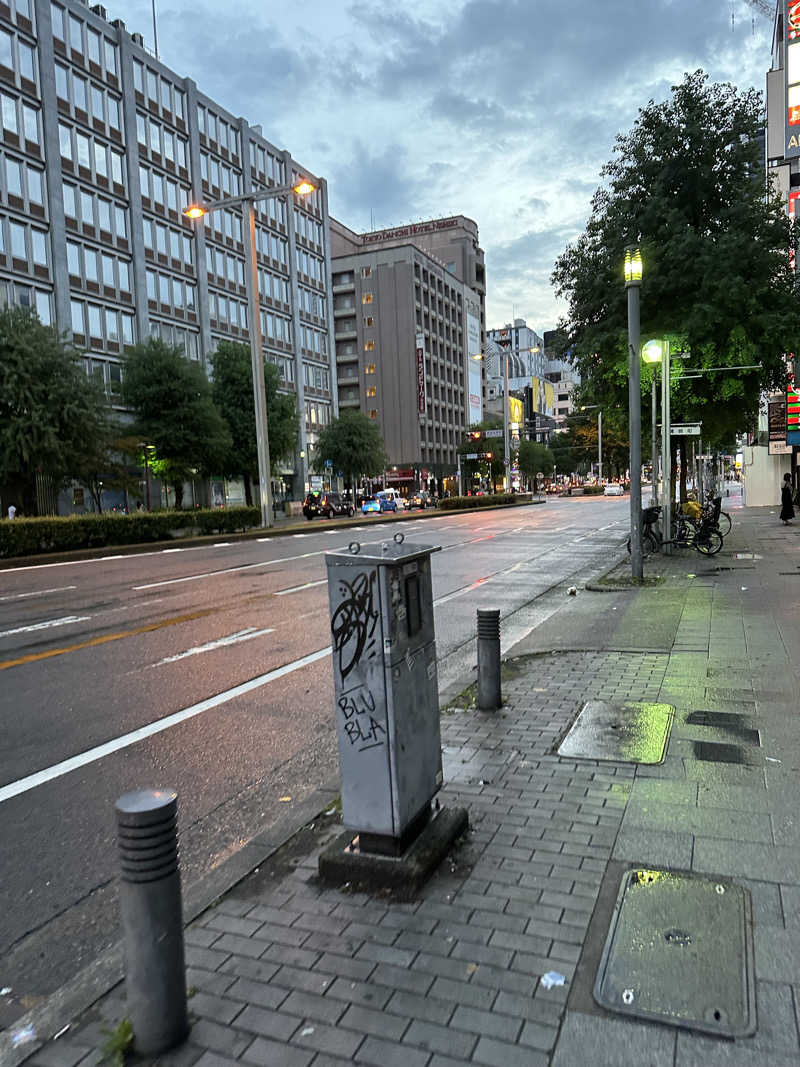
495,467
686,183
354,445
52,414
534,459
173,409
232,391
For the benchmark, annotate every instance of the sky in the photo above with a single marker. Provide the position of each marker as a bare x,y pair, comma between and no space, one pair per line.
501,110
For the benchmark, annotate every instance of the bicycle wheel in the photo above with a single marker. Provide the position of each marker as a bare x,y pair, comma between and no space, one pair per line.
709,542
724,523
650,544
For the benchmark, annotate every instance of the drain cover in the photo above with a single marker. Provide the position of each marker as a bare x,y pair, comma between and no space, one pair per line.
625,733
680,951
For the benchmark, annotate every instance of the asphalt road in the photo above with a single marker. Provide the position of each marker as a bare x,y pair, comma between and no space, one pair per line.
217,658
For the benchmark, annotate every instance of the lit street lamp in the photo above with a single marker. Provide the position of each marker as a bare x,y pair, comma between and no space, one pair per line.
633,283
302,187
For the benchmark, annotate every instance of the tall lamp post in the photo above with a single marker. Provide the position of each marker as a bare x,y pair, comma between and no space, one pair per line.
302,187
633,283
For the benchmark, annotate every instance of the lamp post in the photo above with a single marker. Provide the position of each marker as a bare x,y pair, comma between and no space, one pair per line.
302,187
666,451
600,446
633,283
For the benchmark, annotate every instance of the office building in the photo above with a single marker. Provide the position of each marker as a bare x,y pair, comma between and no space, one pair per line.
565,381
406,329
103,145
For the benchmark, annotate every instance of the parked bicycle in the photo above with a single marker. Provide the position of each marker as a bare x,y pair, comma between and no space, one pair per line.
703,536
651,538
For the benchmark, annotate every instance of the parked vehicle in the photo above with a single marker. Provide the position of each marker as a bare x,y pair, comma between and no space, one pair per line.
422,499
387,500
327,505
370,505
613,489
391,494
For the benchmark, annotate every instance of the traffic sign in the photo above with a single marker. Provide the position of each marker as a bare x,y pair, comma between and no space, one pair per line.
328,462
471,455
686,429
492,433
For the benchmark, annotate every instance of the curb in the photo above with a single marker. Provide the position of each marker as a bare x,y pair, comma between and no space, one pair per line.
99,977
257,533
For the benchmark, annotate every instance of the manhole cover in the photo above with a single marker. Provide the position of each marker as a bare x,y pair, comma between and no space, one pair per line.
625,733
680,951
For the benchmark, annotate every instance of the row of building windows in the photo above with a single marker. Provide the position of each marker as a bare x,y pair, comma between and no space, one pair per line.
103,324
311,303
167,241
159,90
310,265
217,129
83,95
93,210
267,164
161,140
220,175
224,308
167,289
275,327
17,55
83,261
224,265
23,181
225,223
272,210
23,242
316,377
285,367
271,246
20,118
272,286
188,340
13,293
310,229
83,39
317,414
162,190
314,340
22,7
86,151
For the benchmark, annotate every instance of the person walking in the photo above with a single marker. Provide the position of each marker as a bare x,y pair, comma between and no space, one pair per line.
787,508
12,511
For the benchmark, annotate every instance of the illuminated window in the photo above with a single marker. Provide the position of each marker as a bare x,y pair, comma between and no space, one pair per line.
366,298
372,391
370,368
373,414
369,346
366,272
369,320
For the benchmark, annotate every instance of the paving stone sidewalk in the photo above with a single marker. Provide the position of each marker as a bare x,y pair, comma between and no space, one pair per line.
283,972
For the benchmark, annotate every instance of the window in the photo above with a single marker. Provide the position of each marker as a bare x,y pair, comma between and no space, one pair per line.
138,76
150,278
75,34
61,82
26,61
57,19
121,222
104,213
152,86
36,186
84,159
97,103
9,112
112,325
124,276
90,264
79,92
39,245
73,258
70,207
108,270
95,321
373,413
113,113
6,53
76,314
100,160
369,320
369,346
366,272
87,209
166,95
93,45
110,50
366,298
370,368
14,178
372,391
116,167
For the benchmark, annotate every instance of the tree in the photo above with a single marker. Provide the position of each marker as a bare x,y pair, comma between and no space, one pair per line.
173,410
495,468
51,411
534,459
686,184
232,391
354,445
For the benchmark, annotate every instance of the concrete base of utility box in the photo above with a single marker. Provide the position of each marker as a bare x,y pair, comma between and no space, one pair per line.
342,864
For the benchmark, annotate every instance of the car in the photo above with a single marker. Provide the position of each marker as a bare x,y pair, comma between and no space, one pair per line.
387,500
422,499
326,504
613,489
370,505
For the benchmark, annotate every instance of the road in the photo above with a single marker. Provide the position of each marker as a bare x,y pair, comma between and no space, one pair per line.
207,669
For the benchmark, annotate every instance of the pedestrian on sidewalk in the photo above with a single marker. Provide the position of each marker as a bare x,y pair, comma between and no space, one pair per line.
787,508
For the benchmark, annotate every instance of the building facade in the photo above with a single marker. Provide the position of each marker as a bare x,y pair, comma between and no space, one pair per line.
565,381
103,146
406,332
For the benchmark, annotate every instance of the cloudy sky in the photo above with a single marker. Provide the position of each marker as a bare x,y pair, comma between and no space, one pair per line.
502,110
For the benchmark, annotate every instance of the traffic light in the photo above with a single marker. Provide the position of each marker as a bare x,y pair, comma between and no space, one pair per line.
488,455
475,435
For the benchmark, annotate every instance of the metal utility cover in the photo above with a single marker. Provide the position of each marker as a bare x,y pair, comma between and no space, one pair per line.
624,733
680,951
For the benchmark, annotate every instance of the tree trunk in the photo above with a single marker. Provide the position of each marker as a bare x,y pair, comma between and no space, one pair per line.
682,450
178,487
248,491
95,491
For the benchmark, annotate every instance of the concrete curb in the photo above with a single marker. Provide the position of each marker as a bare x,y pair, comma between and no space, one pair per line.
100,976
257,533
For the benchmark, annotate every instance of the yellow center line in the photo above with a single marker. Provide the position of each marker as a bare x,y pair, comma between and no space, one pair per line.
36,656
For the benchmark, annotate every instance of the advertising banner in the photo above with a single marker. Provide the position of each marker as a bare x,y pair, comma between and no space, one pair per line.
474,369
420,345
791,11
543,396
792,416
776,423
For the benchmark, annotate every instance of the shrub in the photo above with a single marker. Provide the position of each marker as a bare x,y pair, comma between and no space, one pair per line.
593,490
24,537
451,503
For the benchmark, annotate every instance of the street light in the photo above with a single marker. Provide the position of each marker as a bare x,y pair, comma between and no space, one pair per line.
633,281
302,187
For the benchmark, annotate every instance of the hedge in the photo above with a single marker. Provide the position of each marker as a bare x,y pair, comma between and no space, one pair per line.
24,537
593,490
451,503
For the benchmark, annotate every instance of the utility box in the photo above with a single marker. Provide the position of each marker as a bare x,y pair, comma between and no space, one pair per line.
386,689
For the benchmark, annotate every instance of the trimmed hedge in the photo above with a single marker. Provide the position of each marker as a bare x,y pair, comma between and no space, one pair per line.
27,537
451,503
593,490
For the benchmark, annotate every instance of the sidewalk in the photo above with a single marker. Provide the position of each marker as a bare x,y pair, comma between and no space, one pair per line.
285,973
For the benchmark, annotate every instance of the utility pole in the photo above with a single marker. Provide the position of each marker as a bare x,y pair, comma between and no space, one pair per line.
633,282
600,446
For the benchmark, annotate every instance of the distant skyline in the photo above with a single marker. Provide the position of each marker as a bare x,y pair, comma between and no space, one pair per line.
502,110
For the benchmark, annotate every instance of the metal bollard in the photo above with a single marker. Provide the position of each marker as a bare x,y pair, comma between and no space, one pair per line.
152,919
489,694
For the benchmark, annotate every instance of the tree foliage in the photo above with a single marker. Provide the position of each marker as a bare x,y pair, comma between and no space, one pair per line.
52,413
494,468
173,409
232,391
533,459
354,445
686,183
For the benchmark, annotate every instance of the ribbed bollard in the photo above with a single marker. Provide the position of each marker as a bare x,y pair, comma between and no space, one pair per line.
152,919
489,694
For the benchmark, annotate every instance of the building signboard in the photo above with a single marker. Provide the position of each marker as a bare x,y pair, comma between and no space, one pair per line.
791,15
776,424
410,231
420,350
474,369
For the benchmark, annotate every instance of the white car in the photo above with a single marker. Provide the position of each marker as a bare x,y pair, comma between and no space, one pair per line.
613,489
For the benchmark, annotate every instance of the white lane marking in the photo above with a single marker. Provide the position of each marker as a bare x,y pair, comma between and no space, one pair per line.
222,544
293,535
226,570
65,621
165,551
222,642
32,781
40,592
80,562
299,588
